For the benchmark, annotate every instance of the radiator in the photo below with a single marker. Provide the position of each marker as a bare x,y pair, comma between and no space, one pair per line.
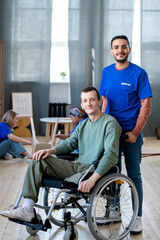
57,109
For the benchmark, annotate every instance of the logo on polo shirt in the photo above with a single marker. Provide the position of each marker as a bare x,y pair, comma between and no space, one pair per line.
127,84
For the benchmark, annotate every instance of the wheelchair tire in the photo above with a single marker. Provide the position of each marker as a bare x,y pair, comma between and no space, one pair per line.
68,234
33,231
57,216
110,214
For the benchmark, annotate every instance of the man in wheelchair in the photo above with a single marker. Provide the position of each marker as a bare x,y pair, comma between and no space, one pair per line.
97,138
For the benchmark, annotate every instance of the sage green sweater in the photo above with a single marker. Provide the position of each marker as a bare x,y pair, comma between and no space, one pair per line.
95,140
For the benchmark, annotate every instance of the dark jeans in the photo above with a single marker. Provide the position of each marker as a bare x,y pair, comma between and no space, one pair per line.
132,156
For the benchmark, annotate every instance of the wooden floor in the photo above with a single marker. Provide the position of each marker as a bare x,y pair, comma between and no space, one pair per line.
11,178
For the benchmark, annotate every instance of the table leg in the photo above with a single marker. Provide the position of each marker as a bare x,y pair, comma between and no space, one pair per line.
52,128
66,128
48,127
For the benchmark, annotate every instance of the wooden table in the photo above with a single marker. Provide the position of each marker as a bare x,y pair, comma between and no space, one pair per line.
50,124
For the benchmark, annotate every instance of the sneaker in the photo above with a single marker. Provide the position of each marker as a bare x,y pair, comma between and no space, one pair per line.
19,213
137,227
28,160
8,156
29,156
114,216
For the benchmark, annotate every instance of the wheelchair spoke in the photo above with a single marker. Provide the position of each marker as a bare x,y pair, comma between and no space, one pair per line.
64,203
111,213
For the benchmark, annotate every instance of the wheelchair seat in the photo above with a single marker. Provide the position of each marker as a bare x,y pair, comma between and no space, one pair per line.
51,182
69,156
60,183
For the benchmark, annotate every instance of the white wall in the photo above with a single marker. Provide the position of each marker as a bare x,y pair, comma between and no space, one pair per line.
60,93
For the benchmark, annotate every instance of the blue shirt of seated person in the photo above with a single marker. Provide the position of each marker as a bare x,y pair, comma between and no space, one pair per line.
77,115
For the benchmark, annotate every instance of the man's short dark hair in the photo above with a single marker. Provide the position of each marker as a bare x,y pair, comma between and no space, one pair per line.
89,89
120,37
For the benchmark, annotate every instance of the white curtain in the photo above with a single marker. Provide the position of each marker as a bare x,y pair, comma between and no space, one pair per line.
92,24
26,28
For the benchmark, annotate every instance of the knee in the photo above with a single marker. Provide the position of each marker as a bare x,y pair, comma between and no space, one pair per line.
8,142
137,179
135,175
36,165
6,145
11,144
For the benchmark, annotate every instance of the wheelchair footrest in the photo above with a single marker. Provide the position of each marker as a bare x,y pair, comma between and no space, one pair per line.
32,224
47,224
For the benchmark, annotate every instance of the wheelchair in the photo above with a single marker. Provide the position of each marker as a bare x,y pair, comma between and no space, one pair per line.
65,206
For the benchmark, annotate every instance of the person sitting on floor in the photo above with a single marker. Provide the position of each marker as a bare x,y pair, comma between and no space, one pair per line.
97,138
11,145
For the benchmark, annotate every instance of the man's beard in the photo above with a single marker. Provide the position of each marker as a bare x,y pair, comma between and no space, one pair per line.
121,60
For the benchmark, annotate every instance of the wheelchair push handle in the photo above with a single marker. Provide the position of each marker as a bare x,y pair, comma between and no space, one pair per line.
124,137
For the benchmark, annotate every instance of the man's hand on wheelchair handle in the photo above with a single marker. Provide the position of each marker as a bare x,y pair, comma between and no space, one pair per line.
43,154
131,137
88,184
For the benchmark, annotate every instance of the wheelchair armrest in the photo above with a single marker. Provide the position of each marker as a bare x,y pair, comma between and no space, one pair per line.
85,174
114,169
95,163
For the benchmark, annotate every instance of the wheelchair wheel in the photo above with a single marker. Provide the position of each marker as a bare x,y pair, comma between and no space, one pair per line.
69,236
57,216
113,207
33,231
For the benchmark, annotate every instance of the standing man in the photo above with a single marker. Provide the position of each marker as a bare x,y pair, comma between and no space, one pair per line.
126,95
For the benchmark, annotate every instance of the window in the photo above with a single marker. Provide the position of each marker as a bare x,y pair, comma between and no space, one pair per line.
59,50
136,35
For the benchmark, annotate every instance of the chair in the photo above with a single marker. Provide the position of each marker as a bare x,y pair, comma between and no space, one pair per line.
36,145
57,140
65,206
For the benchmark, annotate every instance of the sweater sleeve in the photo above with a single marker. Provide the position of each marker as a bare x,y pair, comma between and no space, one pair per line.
143,115
111,149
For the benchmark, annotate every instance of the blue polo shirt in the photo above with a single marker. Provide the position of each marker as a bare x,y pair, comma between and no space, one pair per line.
124,90
4,131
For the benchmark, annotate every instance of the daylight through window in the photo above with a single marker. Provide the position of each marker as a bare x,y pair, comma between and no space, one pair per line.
59,65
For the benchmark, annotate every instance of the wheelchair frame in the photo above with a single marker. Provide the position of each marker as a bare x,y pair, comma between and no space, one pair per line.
113,194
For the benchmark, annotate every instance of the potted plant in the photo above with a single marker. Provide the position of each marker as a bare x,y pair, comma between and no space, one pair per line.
157,132
63,74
